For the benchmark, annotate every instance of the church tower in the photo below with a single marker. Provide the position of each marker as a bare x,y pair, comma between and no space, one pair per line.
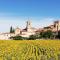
28,26
57,25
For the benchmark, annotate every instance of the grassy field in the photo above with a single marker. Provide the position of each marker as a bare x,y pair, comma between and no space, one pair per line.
30,50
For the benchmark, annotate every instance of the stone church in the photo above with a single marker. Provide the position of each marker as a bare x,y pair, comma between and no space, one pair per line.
29,30
54,27
26,32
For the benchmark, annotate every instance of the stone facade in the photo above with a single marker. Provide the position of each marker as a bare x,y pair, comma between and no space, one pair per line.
29,30
55,27
17,31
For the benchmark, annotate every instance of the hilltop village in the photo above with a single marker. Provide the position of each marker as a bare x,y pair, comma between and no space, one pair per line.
29,30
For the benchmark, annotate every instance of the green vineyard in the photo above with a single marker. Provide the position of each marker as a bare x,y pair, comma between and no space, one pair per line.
30,50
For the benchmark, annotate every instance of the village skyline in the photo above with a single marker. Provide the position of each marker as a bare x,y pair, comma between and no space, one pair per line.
16,12
29,29
22,24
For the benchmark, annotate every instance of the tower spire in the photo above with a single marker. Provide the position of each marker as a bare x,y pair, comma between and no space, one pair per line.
28,26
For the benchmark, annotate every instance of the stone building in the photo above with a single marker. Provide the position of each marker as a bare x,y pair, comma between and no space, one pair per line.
55,27
29,30
17,31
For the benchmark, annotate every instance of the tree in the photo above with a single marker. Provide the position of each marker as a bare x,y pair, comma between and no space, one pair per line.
32,37
17,38
11,30
47,34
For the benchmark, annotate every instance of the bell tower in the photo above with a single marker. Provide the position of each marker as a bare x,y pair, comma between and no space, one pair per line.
28,26
57,25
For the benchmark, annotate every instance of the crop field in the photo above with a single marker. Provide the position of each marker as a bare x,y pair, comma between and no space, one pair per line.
30,50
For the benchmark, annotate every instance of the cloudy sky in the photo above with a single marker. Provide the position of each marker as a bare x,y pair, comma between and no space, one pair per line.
16,13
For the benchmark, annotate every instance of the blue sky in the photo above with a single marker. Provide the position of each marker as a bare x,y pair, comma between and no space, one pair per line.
17,12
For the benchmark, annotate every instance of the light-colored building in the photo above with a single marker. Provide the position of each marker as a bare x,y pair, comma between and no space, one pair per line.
55,27
17,31
6,36
29,30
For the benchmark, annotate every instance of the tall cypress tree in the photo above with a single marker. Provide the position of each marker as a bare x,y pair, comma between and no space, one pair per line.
11,30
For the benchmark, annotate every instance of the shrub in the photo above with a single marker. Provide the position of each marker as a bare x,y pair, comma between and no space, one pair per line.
17,38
